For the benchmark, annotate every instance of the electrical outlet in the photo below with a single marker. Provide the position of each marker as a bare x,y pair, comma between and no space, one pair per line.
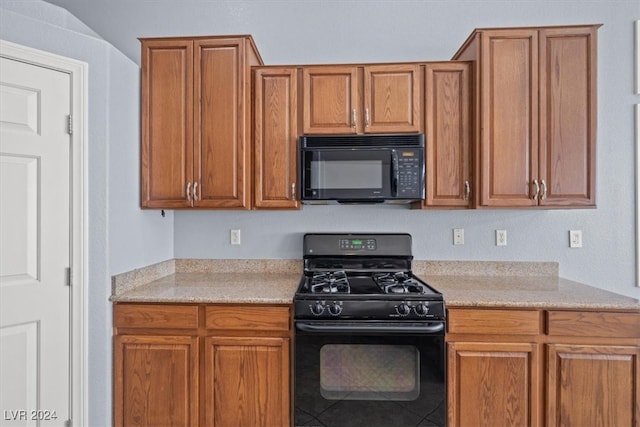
235,237
458,236
501,237
575,238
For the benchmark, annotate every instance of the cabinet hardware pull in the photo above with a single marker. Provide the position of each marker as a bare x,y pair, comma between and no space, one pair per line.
467,190
195,191
537,192
293,190
544,190
188,191
354,118
366,117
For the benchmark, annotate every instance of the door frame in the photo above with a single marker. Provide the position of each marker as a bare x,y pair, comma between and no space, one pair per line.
78,72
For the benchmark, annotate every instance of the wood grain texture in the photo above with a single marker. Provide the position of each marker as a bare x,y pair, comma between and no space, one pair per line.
155,316
593,385
275,138
248,318
593,324
448,135
156,381
492,321
247,382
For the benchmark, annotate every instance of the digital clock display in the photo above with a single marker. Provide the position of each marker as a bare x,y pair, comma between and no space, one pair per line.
358,244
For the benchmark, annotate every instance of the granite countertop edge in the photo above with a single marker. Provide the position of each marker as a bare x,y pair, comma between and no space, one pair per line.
485,284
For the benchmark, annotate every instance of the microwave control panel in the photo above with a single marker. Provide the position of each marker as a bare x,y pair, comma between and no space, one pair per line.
409,174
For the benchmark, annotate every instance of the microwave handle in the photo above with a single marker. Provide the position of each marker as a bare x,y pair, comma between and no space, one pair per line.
394,173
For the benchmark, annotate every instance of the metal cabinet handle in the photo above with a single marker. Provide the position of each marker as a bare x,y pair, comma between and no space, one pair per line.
195,191
366,117
293,190
535,194
188,191
544,190
467,190
354,118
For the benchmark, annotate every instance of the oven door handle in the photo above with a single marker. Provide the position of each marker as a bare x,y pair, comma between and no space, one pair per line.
354,328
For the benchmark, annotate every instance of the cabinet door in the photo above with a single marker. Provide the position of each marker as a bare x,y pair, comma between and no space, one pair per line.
568,116
392,95
448,161
493,384
509,118
247,381
275,138
156,380
221,159
593,385
330,99
167,123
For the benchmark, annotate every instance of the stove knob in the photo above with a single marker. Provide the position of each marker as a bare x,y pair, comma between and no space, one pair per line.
317,308
335,309
403,309
421,309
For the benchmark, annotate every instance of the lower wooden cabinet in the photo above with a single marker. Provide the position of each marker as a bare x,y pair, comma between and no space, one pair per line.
190,365
543,367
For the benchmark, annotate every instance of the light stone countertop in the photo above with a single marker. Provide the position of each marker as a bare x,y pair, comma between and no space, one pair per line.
462,283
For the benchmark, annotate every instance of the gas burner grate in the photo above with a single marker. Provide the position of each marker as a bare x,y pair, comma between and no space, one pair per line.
330,282
399,283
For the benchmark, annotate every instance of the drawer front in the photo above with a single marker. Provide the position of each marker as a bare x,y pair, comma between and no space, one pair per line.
594,324
258,318
487,321
155,316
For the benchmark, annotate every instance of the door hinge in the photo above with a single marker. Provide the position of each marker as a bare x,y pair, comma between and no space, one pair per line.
70,124
69,276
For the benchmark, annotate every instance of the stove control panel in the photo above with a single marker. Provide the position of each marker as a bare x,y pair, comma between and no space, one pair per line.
378,309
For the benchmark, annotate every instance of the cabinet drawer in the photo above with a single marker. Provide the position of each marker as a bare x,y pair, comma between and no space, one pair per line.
155,316
594,324
503,322
258,318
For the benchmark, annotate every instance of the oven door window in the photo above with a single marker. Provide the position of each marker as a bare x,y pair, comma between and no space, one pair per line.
369,372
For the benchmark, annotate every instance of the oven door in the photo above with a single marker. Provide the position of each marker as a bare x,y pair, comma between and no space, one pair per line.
363,373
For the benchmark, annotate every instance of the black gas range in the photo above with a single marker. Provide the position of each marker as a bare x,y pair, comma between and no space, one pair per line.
369,336
363,276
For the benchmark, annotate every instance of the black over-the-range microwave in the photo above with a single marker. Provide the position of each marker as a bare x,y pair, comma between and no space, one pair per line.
380,168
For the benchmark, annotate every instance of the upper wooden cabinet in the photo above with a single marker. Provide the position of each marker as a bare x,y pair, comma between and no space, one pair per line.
368,99
535,114
275,138
448,135
196,123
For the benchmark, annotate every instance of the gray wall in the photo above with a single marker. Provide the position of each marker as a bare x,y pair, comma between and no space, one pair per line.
122,237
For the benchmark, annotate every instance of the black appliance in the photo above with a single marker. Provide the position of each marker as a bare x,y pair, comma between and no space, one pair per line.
362,168
369,336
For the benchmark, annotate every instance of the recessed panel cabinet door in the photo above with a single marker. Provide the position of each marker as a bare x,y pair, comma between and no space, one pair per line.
331,100
509,133
275,138
568,116
247,381
221,152
167,123
156,380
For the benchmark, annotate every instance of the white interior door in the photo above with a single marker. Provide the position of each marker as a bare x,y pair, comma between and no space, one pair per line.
35,103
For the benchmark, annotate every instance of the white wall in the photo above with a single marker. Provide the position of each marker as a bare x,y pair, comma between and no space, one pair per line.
120,236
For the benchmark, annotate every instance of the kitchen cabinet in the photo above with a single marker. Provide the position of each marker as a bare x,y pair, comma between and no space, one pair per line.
493,367
543,367
535,115
448,134
275,137
196,122
594,368
346,99
202,364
